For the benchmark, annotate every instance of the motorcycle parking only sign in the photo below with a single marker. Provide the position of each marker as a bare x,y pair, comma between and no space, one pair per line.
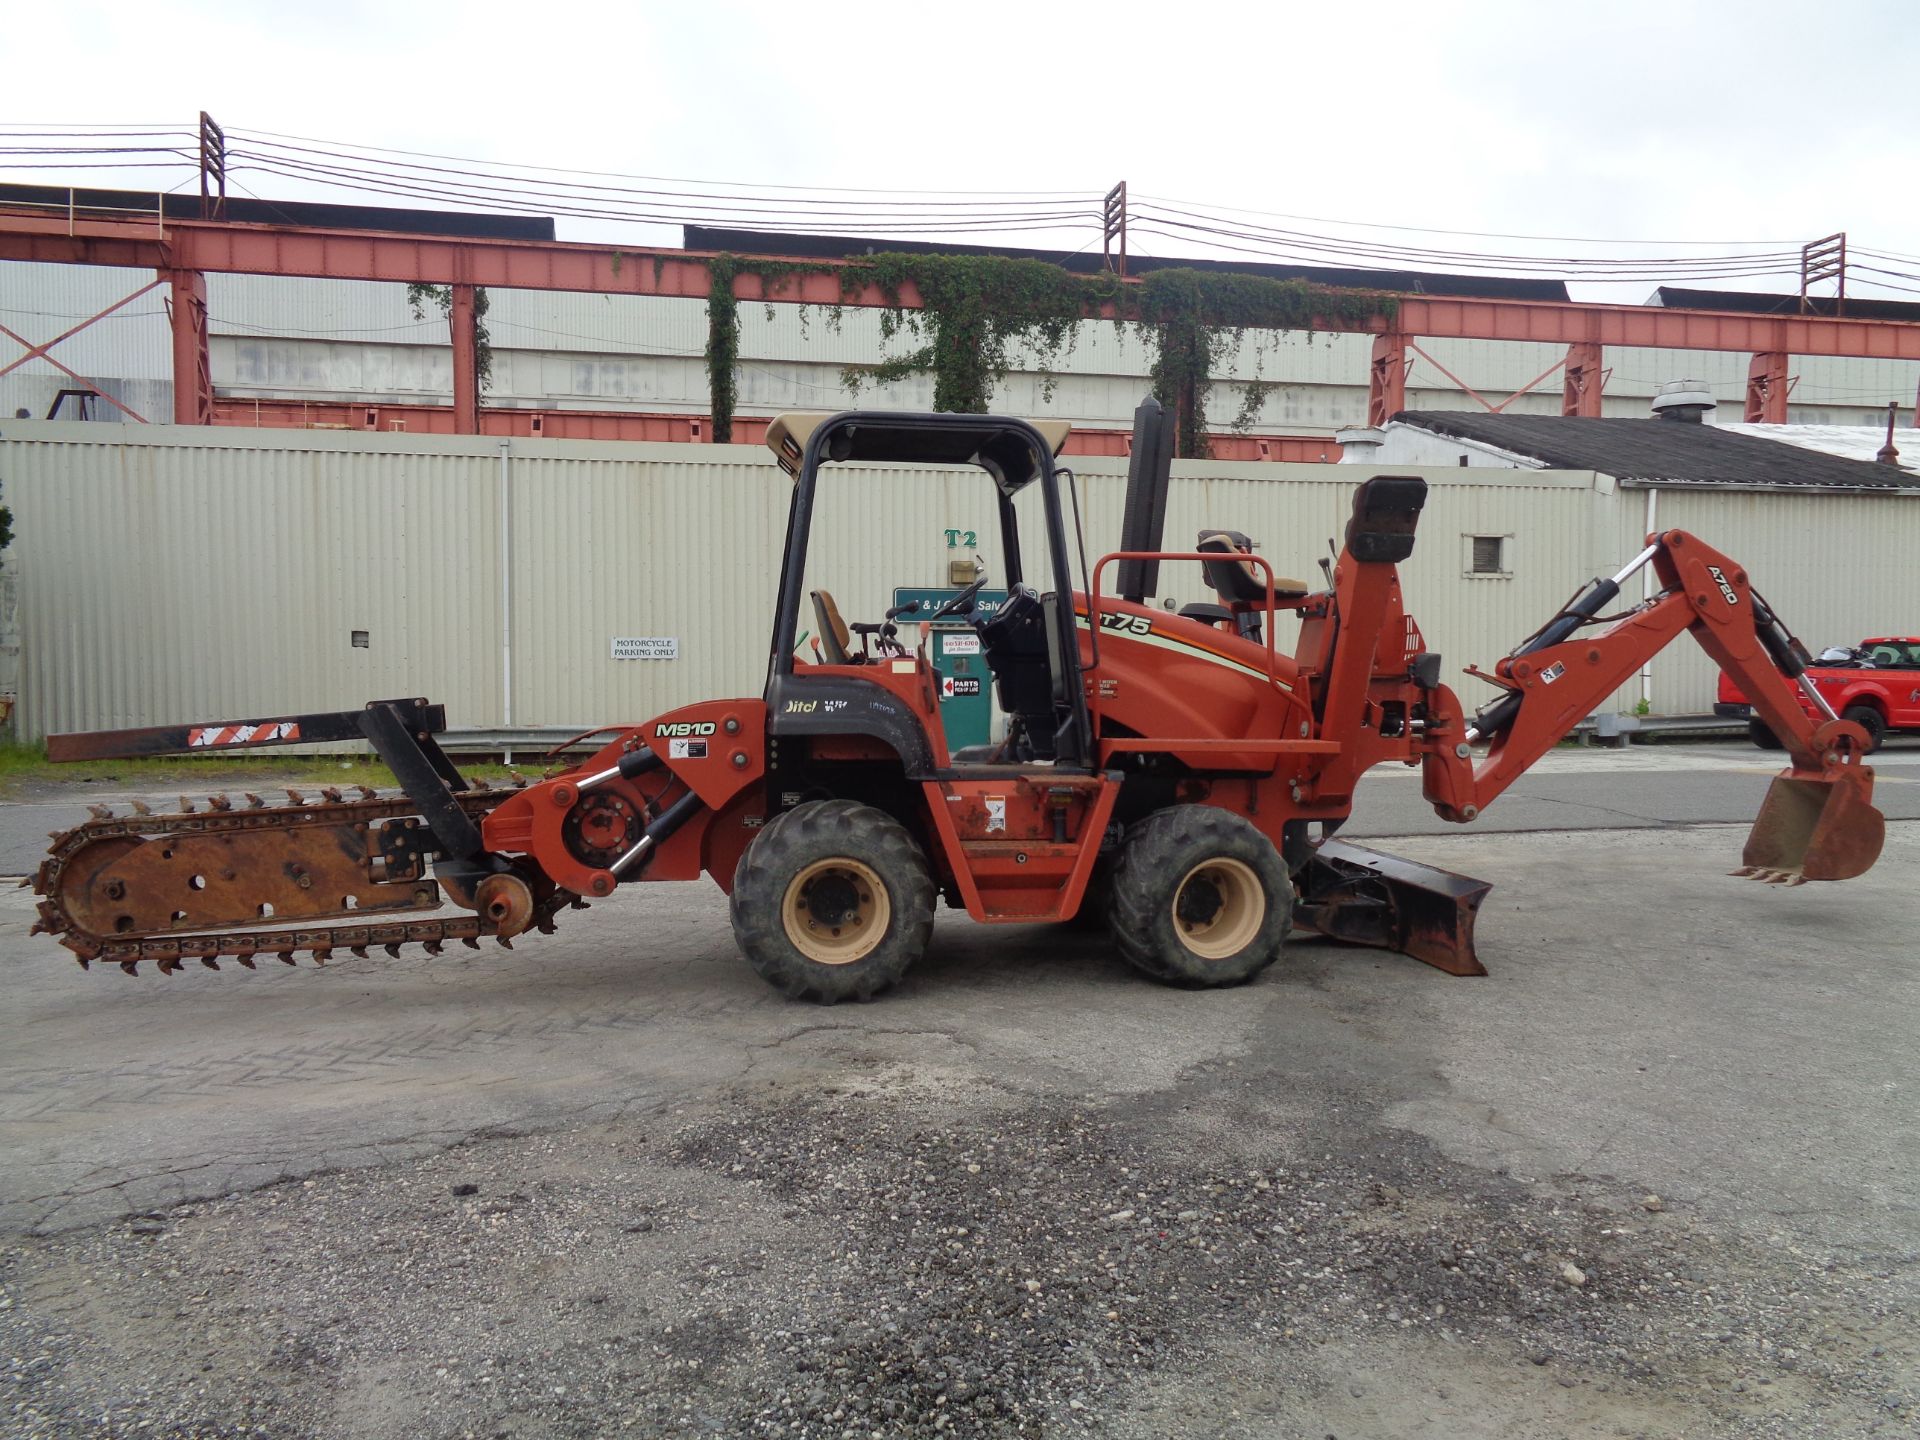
646,647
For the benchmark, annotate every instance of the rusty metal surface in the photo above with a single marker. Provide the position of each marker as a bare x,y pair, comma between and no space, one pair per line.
1815,828
121,885
123,889
1362,897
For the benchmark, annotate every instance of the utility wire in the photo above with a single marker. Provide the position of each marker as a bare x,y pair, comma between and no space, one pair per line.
549,190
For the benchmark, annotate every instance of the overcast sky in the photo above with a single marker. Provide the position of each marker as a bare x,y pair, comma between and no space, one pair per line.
1755,121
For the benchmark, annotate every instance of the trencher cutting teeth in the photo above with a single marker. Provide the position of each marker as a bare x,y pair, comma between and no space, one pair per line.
314,825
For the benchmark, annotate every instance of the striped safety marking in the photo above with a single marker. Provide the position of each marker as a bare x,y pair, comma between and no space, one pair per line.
1180,647
209,735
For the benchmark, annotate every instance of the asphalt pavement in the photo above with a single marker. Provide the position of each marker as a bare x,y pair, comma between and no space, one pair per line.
1657,1174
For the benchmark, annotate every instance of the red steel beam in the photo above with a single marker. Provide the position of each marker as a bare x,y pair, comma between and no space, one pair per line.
192,369
1767,389
466,363
228,248
1583,381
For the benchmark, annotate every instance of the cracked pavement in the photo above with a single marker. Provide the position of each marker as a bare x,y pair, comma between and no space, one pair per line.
1651,1028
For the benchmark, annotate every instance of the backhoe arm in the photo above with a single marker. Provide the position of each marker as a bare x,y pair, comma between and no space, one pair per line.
1557,677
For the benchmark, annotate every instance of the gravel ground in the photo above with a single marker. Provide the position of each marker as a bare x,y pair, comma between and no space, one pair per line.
884,1256
1653,1180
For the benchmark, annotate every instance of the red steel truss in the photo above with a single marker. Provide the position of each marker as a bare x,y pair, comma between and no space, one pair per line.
183,250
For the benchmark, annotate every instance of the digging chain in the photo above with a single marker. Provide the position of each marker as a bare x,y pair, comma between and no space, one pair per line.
170,951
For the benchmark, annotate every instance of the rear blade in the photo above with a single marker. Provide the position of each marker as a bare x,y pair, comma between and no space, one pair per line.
1817,827
1365,898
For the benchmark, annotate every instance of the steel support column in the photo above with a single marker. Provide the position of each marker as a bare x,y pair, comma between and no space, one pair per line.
192,369
1767,387
466,364
1583,380
1387,379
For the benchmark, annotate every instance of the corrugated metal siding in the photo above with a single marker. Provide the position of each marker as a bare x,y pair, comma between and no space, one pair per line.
1836,568
166,581
168,574
129,354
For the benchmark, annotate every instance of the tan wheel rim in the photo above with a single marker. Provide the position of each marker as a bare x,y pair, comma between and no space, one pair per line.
1218,908
836,911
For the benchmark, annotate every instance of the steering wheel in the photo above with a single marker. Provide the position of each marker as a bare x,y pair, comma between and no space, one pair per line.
962,601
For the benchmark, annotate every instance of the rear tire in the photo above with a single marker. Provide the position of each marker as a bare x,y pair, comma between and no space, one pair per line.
1200,898
832,901
1762,735
1868,719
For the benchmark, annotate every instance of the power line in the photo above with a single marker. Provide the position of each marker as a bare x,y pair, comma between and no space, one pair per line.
550,190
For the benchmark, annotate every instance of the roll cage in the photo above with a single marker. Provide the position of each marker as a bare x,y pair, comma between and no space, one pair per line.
1014,453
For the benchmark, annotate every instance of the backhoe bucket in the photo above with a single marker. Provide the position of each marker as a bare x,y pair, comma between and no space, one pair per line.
1365,898
1822,827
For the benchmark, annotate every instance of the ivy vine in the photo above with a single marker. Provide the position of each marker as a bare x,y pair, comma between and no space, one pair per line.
723,326
420,295
973,310
977,311
1199,320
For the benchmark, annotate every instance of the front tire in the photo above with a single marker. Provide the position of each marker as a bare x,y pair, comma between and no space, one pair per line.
832,901
1200,898
1868,719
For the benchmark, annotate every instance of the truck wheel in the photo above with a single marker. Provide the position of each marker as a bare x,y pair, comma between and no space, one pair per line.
1200,898
1762,735
832,901
1868,719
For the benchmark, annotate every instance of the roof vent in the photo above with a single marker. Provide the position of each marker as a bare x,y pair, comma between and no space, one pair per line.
1686,401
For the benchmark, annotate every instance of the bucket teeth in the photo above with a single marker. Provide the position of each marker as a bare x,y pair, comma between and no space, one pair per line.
359,951
294,797
100,812
219,802
1768,876
367,792
246,960
209,962
476,783
519,780
140,807
254,802
132,967
332,794
434,947
285,957
470,942
393,949
186,806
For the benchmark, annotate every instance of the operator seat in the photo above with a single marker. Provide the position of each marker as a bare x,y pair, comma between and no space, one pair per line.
835,638
1241,585
1016,644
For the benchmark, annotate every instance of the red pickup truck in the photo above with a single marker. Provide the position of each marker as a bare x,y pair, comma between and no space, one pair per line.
1876,685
